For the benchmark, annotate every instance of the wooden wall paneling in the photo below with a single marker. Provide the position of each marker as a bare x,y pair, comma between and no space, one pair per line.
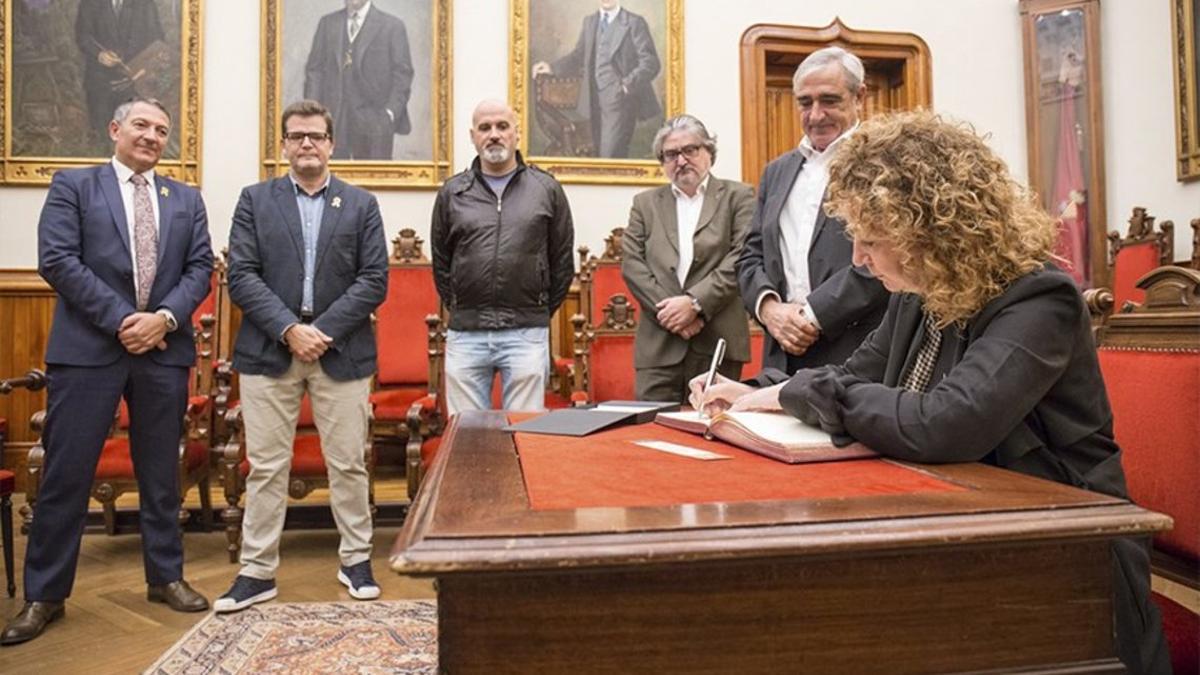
26,310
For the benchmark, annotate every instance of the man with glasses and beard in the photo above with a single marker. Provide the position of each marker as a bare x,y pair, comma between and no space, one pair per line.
679,253
502,236
307,265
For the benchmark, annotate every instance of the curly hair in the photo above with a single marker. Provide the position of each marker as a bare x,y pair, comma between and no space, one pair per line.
962,227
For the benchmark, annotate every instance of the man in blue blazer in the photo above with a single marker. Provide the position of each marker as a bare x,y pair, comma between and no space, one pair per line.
127,251
307,265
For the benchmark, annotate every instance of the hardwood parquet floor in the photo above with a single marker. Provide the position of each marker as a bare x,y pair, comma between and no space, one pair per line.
109,626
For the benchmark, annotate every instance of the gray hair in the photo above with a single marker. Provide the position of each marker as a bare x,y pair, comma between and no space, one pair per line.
852,67
685,122
122,110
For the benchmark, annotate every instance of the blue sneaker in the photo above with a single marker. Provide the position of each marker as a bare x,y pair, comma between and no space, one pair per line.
358,579
245,591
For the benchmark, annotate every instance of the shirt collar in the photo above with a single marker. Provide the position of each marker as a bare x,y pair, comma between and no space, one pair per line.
300,191
700,189
611,13
806,147
124,173
361,13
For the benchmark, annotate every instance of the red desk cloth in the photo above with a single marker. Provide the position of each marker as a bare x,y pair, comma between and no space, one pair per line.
607,469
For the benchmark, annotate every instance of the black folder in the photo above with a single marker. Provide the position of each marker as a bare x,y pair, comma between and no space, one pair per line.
583,421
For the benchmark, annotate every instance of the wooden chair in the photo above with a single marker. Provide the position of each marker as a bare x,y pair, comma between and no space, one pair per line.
1140,251
1150,356
308,470
605,326
556,105
400,328
33,381
114,472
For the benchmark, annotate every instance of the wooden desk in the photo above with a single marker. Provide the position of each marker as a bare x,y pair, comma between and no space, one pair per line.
1012,574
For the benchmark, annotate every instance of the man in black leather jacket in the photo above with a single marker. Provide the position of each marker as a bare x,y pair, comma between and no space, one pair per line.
502,237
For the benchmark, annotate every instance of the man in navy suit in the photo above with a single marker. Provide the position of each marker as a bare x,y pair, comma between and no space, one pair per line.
615,53
127,252
307,265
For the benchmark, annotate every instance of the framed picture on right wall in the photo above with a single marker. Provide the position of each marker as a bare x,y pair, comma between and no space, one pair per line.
1185,35
1065,126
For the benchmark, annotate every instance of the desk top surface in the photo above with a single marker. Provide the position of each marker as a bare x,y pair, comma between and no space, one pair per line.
474,510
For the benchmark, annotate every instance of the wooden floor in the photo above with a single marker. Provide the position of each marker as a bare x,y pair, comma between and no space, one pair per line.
109,626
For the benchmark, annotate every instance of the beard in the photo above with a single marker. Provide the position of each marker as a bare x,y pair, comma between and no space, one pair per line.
496,154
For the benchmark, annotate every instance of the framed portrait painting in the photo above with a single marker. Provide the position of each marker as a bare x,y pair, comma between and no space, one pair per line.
382,69
1065,126
1185,24
592,81
67,65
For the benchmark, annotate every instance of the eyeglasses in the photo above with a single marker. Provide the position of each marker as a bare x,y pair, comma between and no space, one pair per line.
314,136
688,151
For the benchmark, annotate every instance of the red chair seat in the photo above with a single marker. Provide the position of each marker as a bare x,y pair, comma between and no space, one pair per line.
1182,629
429,450
393,404
8,482
116,462
555,400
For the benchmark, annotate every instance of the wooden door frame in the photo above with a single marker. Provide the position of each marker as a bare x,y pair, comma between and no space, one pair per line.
762,41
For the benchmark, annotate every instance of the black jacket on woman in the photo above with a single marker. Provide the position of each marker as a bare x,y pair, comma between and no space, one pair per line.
1019,387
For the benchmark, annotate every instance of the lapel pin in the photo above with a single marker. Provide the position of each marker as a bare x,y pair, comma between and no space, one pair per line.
336,203
164,191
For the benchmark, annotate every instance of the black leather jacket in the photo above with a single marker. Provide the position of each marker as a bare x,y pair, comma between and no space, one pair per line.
502,262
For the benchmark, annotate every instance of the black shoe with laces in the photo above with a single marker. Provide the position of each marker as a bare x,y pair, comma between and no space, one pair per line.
245,591
359,581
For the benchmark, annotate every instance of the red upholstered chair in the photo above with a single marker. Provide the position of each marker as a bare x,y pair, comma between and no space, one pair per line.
308,470
605,326
1131,257
1150,357
114,472
401,332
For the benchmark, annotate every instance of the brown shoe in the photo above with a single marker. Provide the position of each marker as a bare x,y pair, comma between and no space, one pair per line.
30,622
178,596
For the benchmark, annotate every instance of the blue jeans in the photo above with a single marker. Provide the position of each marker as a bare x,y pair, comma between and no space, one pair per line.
520,355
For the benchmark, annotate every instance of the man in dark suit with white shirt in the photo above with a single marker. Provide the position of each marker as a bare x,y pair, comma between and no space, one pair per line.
795,272
307,266
615,54
127,252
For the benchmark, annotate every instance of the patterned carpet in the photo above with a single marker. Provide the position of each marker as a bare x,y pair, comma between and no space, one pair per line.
311,637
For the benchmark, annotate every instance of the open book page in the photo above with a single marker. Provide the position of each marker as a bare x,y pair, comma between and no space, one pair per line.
776,428
691,421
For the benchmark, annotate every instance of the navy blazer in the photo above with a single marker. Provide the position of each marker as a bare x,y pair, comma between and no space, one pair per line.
266,277
847,300
84,254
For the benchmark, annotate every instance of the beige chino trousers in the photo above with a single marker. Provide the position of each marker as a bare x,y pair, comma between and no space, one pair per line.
270,410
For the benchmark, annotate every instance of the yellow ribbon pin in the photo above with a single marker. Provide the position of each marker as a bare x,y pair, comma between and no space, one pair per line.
337,202
164,191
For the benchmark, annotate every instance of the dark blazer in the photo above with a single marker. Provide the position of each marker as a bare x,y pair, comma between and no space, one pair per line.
380,74
84,254
633,59
651,254
98,28
847,300
266,270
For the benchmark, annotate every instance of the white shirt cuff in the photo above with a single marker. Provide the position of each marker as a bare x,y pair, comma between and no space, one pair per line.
809,314
758,305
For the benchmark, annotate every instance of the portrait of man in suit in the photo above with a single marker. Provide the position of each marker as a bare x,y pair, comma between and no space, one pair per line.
127,253
74,61
617,60
360,67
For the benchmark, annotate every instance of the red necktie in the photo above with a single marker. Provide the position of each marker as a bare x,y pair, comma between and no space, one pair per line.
145,239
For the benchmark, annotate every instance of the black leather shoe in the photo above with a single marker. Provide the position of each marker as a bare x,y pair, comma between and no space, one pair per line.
30,622
178,596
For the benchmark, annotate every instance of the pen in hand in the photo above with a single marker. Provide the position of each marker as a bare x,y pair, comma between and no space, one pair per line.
718,357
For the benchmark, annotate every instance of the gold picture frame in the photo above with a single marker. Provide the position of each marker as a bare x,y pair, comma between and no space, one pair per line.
56,96
417,152
1185,34
553,108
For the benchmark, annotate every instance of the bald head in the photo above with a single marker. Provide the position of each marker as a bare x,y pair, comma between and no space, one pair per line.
494,133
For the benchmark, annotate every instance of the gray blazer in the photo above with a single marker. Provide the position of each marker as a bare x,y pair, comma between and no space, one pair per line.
847,300
266,270
650,254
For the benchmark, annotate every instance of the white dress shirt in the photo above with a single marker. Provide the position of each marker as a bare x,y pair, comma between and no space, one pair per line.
361,14
687,215
797,223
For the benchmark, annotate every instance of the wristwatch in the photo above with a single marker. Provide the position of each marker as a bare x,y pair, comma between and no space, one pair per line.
170,319
696,305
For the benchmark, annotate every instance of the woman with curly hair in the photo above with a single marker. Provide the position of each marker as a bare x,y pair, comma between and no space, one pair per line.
985,352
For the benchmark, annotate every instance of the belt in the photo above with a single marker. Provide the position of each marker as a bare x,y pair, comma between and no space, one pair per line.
306,318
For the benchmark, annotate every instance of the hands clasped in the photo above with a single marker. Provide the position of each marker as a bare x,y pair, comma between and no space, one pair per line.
786,323
142,331
307,342
677,315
